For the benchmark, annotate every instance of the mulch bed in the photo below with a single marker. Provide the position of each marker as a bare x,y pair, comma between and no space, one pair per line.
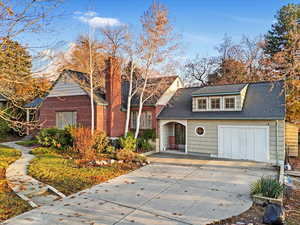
252,216
295,163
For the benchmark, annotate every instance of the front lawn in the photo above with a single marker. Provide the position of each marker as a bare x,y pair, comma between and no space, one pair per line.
59,170
10,204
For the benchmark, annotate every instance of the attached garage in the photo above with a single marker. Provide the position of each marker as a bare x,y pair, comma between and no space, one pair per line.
244,142
242,122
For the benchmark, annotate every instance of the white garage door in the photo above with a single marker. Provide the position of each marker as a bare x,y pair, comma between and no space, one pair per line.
244,142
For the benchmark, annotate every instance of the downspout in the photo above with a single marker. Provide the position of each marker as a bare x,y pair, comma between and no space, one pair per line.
277,163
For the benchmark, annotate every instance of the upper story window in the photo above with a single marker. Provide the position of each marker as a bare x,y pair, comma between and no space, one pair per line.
230,103
215,103
202,103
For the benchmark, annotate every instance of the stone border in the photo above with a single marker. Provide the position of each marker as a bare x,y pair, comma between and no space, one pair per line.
258,199
55,191
26,199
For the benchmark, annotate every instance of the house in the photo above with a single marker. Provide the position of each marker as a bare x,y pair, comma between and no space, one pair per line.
68,102
239,121
3,101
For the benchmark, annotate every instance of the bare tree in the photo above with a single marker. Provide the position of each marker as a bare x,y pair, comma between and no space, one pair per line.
198,69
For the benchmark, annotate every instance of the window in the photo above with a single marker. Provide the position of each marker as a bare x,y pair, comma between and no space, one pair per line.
64,119
202,103
215,103
230,103
146,120
199,131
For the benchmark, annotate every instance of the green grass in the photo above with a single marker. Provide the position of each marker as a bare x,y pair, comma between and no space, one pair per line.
10,204
54,168
28,143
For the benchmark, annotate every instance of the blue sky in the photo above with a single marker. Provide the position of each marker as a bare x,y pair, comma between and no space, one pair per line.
202,23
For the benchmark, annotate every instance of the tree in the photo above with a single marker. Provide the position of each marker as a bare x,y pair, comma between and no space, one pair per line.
277,38
156,44
199,69
17,83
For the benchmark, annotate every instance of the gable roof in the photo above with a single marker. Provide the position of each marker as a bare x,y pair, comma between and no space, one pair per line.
81,79
230,89
263,100
166,82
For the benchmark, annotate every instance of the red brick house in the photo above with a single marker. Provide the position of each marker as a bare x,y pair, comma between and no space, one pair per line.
68,103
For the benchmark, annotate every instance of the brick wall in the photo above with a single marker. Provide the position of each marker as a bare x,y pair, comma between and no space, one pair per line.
51,105
115,121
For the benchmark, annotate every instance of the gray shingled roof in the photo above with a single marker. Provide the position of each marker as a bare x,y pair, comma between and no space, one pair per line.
164,81
264,100
219,90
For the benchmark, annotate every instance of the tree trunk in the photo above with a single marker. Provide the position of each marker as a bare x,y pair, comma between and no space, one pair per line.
141,103
129,99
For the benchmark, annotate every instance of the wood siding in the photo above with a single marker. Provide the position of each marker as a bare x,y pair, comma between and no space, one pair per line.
291,139
208,143
66,86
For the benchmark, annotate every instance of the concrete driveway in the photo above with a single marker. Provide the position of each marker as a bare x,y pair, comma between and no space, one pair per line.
160,193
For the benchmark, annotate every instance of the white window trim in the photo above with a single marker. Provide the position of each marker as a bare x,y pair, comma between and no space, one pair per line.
221,104
203,130
224,103
197,105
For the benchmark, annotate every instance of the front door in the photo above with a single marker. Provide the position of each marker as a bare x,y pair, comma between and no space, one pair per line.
179,135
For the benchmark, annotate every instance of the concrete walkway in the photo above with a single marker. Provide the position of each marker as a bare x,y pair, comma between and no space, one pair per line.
156,194
34,192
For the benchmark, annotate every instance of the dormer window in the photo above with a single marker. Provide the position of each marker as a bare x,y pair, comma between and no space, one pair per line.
230,103
202,104
215,103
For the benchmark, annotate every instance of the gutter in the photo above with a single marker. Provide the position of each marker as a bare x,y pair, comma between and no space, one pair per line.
220,118
276,127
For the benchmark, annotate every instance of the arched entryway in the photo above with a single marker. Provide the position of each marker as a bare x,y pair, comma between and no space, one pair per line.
173,136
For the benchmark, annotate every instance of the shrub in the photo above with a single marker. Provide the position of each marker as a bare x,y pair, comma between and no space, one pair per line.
143,144
125,155
128,142
115,143
4,128
100,142
148,134
110,149
83,143
56,138
267,187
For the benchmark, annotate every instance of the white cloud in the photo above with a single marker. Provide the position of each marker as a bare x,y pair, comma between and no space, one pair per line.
91,18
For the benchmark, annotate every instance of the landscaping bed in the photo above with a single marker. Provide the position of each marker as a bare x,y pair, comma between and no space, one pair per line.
292,207
10,204
58,169
252,216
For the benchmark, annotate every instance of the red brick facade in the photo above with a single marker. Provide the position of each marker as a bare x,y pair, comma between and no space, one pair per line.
108,118
51,105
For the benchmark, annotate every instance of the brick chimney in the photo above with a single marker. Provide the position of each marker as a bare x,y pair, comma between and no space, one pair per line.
115,117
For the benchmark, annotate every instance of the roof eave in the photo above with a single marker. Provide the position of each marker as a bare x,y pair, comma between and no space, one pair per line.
217,94
221,118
